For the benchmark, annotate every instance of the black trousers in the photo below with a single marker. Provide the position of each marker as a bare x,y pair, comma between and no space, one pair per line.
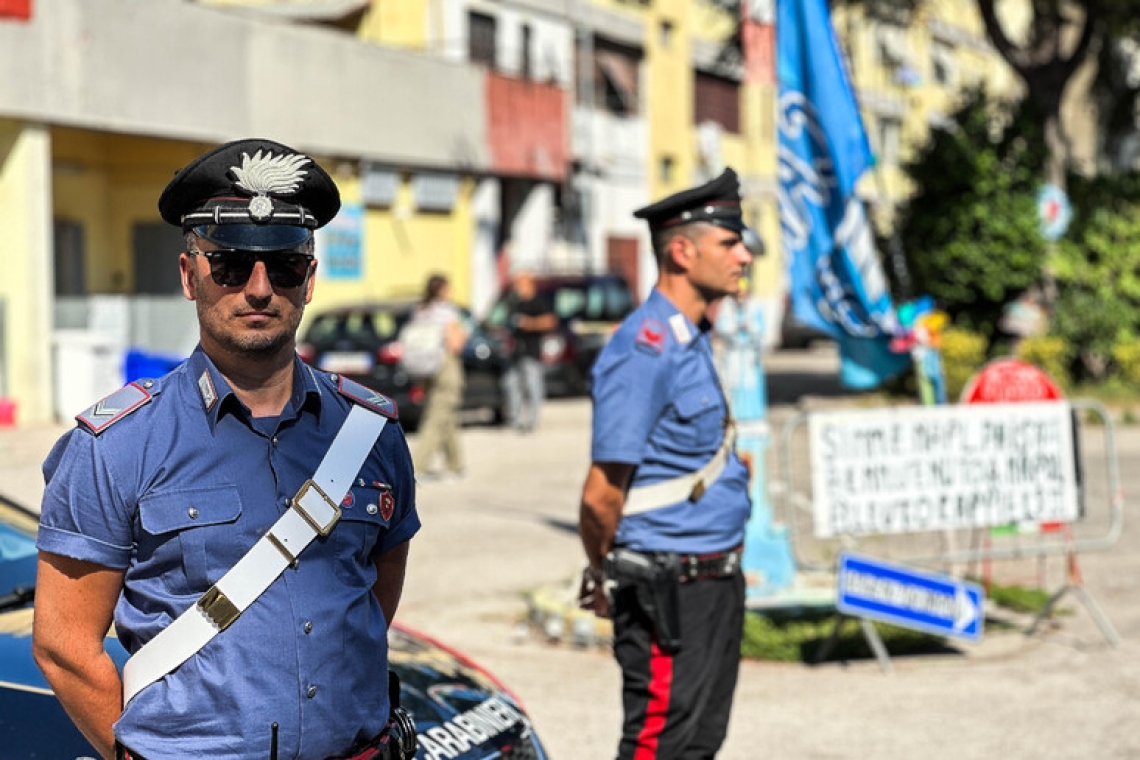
677,705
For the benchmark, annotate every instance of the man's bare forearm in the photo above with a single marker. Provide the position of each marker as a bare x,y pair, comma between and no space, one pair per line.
90,693
74,604
603,496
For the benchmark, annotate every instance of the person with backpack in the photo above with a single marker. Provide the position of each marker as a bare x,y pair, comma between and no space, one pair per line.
433,345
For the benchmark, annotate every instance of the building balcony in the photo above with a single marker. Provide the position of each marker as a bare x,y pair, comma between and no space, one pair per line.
527,128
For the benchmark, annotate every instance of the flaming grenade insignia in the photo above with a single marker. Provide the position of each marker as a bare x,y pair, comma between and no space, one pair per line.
267,174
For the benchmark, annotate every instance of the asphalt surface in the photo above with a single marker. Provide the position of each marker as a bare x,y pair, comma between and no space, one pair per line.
509,527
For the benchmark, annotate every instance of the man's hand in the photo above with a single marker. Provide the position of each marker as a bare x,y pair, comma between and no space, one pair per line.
592,593
602,498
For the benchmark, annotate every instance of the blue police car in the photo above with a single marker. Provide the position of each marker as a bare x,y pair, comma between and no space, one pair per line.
461,711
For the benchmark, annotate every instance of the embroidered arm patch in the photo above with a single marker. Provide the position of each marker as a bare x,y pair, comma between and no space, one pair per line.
113,408
651,336
367,397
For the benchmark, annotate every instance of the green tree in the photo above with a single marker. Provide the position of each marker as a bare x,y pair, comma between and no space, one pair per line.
970,232
1097,267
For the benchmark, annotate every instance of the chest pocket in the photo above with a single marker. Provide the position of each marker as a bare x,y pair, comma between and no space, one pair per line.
364,513
699,418
191,531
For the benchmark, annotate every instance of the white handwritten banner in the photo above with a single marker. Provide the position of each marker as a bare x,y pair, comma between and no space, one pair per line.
912,469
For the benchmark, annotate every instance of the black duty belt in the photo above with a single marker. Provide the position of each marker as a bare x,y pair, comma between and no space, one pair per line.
696,567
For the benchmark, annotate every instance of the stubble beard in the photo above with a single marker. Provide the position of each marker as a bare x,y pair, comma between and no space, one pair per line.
252,343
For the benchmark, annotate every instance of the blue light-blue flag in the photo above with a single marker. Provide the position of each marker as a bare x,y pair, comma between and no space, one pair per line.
837,283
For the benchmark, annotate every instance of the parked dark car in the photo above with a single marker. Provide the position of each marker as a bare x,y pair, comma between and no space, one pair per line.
361,343
589,309
437,684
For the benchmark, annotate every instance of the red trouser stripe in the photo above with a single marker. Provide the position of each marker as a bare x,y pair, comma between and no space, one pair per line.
660,686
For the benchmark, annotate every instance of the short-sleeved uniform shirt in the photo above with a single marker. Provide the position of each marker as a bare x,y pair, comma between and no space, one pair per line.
174,493
659,406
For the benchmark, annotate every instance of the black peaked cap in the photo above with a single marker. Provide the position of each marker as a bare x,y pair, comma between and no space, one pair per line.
244,192
715,202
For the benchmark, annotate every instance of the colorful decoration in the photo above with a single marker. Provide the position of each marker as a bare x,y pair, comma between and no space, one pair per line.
922,337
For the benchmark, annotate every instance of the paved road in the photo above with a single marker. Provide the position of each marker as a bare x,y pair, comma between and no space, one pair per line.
510,526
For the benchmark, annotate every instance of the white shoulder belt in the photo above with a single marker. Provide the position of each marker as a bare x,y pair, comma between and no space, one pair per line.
691,486
312,512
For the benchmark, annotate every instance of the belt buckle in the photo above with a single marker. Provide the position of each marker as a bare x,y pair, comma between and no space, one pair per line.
322,514
698,490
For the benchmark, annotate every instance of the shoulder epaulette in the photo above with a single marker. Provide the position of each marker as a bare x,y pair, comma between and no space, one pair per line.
367,397
115,407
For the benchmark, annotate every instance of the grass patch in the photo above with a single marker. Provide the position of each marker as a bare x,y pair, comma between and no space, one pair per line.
798,639
1026,599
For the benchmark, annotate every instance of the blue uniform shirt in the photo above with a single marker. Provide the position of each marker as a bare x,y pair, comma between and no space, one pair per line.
175,493
658,405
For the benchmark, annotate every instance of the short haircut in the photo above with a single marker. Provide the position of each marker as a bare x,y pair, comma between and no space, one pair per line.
660,238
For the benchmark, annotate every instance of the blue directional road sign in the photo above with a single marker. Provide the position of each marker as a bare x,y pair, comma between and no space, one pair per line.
930,602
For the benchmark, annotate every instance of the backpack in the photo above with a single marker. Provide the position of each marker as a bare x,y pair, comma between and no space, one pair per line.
422,340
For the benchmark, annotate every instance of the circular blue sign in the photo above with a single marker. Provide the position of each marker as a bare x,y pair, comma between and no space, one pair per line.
1053,211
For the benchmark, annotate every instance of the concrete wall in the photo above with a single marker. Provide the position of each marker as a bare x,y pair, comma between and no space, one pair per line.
140,67
532,230
26,256
487,224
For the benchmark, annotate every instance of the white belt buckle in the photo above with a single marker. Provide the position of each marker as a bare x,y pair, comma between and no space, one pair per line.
322,513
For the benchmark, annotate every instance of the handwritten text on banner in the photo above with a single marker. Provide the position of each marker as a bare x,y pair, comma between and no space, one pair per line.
902,470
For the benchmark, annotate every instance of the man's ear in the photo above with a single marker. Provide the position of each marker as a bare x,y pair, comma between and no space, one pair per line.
188,275
679,252
311,282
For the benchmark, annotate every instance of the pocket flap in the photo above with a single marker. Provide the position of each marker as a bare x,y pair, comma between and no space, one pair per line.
696,401
193,508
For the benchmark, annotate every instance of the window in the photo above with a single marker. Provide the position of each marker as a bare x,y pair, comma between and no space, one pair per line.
665,169
156,247
481,39
717,100
944,66
891,47
525,67
665,33
616,75
70,266
889,136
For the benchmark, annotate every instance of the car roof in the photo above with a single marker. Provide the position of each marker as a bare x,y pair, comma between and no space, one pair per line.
394,305
575,279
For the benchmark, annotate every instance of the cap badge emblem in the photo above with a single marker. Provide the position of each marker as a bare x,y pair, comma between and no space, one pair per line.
264,174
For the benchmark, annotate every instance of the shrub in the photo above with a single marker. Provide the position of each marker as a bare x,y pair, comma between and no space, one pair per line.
1098,282
963,354
970,232
1049,352
1126,355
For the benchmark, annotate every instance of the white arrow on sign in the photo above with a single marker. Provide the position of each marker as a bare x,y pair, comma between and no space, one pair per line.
964,610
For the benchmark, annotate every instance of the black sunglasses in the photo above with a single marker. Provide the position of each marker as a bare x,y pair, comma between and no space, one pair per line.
232,268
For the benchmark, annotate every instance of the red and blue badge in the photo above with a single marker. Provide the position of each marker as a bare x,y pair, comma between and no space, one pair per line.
651,335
